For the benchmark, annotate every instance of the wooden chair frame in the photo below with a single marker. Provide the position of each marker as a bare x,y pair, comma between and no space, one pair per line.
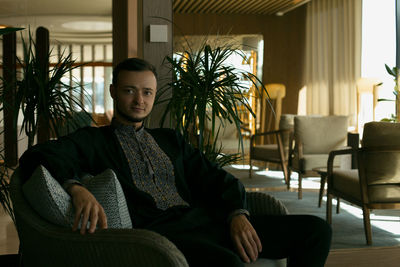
364,203
282,160
296,145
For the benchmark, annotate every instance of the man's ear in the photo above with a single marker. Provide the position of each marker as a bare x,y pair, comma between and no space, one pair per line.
112,91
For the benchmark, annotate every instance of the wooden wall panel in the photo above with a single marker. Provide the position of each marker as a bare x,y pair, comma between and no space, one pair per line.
262,7
157,12
131,24
126,29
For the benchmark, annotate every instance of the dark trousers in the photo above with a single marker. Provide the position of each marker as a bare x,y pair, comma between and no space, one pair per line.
303,239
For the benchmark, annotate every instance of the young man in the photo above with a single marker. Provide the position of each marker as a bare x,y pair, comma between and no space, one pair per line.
170,187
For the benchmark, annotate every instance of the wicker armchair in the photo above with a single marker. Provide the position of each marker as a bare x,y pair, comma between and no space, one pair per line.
45,244
276,153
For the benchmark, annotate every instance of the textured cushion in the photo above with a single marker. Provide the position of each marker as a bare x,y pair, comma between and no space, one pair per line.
261,203
347,181
265,152
384,193
53,203
382,167
320,135
381,134
48,198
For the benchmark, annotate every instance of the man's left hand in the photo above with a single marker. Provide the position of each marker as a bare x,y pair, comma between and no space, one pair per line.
245,238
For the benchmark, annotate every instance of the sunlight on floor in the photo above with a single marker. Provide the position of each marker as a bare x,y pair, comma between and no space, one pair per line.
243,166
387,223
308,183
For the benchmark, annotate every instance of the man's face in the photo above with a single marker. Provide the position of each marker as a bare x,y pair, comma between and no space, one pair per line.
134,96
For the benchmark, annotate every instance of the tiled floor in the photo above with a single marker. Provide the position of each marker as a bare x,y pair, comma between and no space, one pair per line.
9,241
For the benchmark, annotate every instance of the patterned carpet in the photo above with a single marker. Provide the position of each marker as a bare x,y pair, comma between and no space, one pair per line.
348,228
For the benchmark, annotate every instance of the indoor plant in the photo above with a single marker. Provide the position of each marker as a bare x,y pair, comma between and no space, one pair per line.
205,89
4,172
41,96
9,30
396,91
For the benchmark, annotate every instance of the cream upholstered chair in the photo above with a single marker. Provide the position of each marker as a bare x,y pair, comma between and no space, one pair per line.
276,153
315,137
376,183
43,243
228,136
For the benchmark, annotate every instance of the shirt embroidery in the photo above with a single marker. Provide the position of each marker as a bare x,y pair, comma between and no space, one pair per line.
152,170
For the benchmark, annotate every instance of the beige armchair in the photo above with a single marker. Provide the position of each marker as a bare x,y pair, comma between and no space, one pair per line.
376,183
315,137
276,153
45,244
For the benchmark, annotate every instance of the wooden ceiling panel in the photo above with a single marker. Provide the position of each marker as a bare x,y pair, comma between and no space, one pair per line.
257,7
213,4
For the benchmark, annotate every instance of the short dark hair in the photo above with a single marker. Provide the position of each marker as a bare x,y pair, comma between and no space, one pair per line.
132,64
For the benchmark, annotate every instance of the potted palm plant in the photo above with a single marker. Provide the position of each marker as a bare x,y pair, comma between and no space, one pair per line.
4,176
41,96
4,173
396,91
206,89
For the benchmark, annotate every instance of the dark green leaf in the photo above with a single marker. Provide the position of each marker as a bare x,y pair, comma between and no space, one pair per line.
204,89
9,30
390,71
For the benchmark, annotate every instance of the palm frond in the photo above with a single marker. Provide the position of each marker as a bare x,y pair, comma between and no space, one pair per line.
41,94
204,88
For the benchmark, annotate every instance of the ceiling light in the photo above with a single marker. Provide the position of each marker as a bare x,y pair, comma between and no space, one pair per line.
88,25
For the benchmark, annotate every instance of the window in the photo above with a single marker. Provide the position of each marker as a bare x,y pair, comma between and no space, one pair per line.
378,49
95,74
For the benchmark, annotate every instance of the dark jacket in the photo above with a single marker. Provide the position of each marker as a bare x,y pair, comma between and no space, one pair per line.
211,192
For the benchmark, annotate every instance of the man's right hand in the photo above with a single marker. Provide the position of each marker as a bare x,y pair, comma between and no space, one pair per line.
88,209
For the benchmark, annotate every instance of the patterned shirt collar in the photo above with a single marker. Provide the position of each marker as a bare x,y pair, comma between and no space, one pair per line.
151,169
127,129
